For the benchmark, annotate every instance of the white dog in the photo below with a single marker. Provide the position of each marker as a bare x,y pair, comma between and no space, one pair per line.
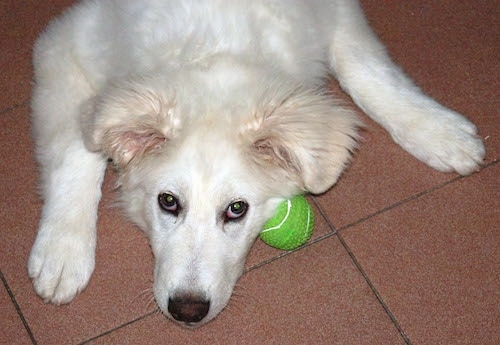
212,112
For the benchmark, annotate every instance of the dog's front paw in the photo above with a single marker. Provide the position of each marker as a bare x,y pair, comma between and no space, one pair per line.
444,140
61,267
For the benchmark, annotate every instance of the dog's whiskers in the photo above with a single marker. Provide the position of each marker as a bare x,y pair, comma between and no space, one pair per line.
146,297
240,297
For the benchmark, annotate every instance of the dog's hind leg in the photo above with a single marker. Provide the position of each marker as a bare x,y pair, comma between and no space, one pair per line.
63,255
436,135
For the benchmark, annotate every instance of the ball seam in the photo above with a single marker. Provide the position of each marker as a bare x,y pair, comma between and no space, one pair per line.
289,207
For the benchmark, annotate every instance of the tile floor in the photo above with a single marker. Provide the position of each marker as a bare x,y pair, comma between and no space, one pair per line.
401,253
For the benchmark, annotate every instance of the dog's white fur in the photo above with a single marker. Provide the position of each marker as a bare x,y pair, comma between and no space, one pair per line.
212,102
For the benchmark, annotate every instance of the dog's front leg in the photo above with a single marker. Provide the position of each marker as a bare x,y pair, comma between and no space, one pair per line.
436,135
63,256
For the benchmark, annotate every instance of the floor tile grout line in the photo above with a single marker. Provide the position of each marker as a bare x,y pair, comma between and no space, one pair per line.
374,290
399,203
413,197
324,215
353,259
336,231
286,253
356,222
117,328
18,309
12,107
360,267
268,261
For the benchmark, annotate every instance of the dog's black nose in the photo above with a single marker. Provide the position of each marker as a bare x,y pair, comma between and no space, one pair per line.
188,309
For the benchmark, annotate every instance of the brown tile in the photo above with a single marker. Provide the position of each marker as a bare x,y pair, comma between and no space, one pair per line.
20,24
19,205
12,329
435,261
314,296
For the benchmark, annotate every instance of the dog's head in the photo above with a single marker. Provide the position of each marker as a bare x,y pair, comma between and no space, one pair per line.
202,170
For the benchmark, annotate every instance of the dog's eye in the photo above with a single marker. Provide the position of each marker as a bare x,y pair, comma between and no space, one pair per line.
236,210
168,202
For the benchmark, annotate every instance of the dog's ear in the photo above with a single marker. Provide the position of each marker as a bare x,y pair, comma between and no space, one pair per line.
127,121
305,135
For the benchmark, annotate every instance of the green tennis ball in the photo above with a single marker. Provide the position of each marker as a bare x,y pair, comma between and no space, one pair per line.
291,226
